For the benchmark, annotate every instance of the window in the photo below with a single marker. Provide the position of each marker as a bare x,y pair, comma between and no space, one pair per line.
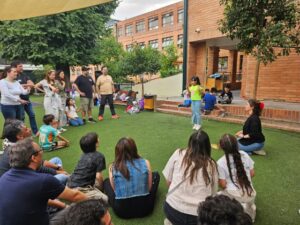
128,30
167,41
120,31
153,23
153,43
223,64
180,41
142,45
167,19
180,16
129,47
140,26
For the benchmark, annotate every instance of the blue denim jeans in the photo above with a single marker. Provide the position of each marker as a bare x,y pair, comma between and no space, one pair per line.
61,177
11,111
29,110
76,122
251,148
196,113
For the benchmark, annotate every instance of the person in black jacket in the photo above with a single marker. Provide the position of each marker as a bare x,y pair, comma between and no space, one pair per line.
251,138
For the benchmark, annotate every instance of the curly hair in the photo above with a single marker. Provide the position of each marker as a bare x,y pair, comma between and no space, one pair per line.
198,157
221,210
230,147
88,212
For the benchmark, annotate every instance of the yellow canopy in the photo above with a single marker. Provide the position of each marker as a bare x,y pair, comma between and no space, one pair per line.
22,9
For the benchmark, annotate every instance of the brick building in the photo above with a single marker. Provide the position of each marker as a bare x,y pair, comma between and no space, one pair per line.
158,28
207,47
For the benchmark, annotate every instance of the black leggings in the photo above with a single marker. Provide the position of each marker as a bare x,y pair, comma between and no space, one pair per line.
110,101
133,207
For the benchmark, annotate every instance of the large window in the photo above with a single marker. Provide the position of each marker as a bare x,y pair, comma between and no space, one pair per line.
153,23
120,31
128,30
223,64
140,26
142,44
153,43
167,41
167,19
180,16
180,41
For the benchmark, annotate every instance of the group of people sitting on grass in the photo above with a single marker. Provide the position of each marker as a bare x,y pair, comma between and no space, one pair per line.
32,189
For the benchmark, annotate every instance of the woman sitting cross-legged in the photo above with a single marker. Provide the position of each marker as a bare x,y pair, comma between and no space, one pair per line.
192,176
236,169
132,186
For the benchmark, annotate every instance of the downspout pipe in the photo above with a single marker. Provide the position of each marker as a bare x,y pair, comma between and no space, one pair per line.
185,45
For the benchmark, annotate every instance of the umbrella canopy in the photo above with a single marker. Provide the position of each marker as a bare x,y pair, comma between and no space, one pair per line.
22,9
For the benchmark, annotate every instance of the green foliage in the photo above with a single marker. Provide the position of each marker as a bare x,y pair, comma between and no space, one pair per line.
262,25
110,53
66,38
39,75
141,60
168,60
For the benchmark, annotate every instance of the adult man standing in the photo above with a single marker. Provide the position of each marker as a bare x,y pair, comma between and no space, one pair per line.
24,193
85,86
105,87
26,82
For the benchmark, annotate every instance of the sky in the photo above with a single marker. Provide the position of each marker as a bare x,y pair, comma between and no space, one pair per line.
131,8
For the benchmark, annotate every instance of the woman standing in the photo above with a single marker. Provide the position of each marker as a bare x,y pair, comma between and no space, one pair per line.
191,175
60,84
50,100
132,185
251,138
11,90
236,169
195,91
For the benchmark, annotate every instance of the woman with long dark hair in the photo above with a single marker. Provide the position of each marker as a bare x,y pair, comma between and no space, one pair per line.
132,186
251,138
236,169
192,176
11,103
60,84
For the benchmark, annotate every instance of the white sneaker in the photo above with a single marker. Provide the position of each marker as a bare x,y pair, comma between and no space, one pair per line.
194,127
62,130
260,152
198,127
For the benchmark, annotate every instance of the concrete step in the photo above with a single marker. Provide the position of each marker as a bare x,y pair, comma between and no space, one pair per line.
287,126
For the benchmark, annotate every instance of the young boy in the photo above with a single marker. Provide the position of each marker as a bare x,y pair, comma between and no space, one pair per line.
210,102
87,176
49,134
226,96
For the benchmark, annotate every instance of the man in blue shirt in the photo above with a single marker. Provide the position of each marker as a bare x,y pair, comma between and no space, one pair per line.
24,193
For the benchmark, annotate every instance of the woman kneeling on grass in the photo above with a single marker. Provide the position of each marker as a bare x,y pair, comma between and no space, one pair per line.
192,176
235,171
132,186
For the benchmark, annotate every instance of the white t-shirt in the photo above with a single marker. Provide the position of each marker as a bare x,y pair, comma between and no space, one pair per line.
72,111
224,172
186,197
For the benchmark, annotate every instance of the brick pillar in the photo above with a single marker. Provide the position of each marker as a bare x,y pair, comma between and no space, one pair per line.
191,61
232,64
212,60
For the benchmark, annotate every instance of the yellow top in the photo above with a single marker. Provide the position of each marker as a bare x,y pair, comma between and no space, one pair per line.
196,91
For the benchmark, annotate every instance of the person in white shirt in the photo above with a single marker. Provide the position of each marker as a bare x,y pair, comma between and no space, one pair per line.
71,111
191,175
11,89
236,169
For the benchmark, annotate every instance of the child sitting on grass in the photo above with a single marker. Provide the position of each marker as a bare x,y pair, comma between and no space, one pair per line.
132,103
49,134
87,176
71,111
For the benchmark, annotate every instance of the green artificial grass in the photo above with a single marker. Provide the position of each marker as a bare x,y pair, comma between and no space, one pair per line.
158,135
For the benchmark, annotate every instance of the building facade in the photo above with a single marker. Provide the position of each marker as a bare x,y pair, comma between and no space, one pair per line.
158,28
209,52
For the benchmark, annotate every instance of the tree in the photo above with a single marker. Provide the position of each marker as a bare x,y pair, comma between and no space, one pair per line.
262,26
110,53
62,40
168,60
139,61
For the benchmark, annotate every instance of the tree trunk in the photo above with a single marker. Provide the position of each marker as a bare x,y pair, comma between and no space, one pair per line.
143,90
255,83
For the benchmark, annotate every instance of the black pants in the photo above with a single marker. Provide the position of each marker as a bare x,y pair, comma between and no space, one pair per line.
133,207
178,218
110,101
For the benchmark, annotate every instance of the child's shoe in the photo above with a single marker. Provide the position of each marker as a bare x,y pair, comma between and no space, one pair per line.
100,118
115,116
198,127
